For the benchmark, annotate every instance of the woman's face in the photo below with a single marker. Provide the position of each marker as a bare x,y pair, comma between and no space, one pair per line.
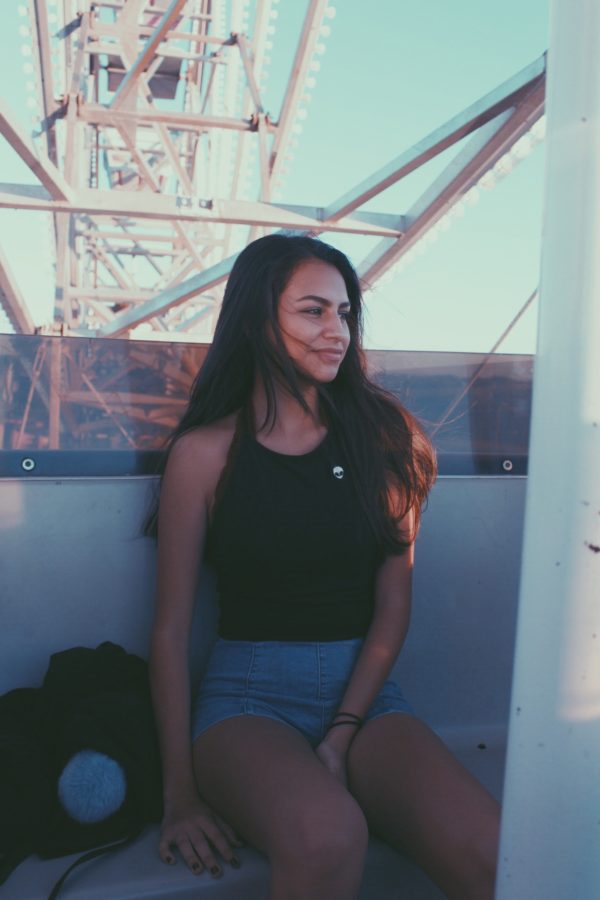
313,316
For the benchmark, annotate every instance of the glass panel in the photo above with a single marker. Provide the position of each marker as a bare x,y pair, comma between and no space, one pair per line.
475,407
79,406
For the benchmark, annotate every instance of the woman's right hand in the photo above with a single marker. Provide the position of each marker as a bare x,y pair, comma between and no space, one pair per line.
196,831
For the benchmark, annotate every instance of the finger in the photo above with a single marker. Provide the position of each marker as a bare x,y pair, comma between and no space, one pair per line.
229,833
204,852
165,852
190,855
218,839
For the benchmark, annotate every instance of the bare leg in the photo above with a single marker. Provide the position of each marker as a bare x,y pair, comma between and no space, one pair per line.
419,798
265,780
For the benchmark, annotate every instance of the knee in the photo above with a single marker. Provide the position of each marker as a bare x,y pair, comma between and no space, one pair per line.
325,839
477,862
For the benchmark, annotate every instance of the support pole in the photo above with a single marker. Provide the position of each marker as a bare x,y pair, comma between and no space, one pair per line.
551,823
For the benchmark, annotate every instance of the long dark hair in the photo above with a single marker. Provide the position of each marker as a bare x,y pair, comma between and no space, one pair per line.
385,446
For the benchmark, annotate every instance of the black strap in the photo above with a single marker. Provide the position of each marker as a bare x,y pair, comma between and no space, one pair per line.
91,854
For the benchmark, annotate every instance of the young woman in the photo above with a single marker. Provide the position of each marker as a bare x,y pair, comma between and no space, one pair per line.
301,482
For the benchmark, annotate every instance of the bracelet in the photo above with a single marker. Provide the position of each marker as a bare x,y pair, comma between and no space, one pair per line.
346,718
348,715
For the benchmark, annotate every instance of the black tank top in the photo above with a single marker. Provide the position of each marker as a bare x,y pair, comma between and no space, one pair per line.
294,556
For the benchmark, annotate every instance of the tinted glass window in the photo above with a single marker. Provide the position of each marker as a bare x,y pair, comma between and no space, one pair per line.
79,406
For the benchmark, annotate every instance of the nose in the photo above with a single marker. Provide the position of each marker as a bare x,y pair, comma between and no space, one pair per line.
335,327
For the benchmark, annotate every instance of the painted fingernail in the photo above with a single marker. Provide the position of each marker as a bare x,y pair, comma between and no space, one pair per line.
170,860
195,867
235,862
215,871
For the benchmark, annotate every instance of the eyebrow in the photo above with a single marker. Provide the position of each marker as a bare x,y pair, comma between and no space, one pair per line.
323,300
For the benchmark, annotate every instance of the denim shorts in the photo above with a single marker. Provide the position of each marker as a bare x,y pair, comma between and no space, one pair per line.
299,683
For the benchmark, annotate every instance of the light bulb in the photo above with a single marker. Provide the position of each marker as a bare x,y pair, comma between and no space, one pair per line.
523,147
472,197
458,210
488,181
505,165
538,129
330,12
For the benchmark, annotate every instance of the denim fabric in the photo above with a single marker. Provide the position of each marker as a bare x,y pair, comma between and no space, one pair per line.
300,683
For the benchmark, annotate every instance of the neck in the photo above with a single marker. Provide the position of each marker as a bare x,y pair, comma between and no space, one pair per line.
290,416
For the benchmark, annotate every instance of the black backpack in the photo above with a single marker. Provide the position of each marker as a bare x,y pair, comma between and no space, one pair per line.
91,699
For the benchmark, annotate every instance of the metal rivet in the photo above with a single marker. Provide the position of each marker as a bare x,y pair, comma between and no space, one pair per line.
28,464
507,465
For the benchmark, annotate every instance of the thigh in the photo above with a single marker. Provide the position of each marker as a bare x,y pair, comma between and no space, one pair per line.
265,780
419,798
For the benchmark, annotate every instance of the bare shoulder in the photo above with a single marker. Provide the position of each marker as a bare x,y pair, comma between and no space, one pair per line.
200,454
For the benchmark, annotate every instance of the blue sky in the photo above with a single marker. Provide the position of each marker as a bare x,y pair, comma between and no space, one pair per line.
388,77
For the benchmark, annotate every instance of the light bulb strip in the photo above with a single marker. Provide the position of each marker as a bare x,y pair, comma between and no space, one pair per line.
470,197
301,68
469,170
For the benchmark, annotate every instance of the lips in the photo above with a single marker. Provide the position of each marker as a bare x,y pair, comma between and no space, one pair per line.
333,356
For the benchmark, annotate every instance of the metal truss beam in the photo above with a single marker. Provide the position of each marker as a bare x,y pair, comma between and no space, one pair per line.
11,300
101,115
167,299
41,166
506,96
295,87
146,205
42,38
146,55
481,153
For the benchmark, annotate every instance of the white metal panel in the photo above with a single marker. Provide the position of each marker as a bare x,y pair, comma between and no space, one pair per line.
77,570
549,847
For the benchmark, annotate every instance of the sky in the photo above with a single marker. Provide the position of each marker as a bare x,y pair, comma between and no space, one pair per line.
392,72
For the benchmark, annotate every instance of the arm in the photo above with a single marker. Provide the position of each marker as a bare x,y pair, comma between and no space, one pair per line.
380,650
185,493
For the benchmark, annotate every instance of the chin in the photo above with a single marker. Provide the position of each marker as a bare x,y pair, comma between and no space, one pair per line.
327,377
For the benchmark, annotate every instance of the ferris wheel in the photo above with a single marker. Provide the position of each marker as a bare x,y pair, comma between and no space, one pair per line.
158,160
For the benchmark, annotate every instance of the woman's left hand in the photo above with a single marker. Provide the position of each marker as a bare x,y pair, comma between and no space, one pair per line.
333,758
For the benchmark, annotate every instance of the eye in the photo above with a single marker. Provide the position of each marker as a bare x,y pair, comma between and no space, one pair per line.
345,315
313,311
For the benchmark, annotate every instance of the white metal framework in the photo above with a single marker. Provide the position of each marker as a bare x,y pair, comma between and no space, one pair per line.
158,161
549,845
